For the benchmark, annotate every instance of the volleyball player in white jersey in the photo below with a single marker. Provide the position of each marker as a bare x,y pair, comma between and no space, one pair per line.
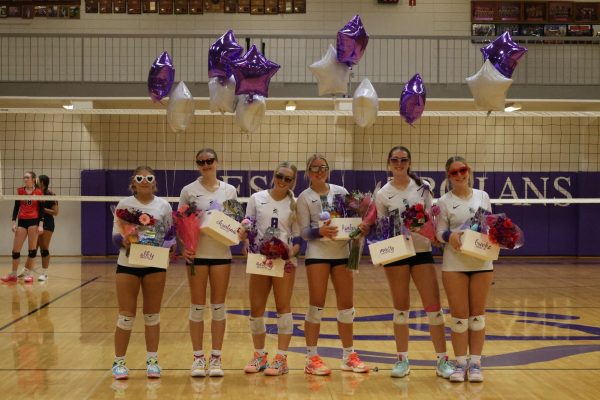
467,280
129,279
324,259
274,208
406,189
211,261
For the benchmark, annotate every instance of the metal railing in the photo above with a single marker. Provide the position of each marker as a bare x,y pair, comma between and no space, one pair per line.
58,58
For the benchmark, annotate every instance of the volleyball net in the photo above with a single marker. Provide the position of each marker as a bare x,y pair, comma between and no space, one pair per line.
537,166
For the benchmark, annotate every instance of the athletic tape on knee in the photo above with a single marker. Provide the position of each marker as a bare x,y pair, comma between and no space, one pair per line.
285,324
151,319
44,253
257,325
314,314
435,317
125,322
401,317
346,316
31,253
459,325
15,255
477,322
197,312
218,312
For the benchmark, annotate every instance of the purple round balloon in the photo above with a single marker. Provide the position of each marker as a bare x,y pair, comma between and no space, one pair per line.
221,54
161,77
412,100
253,72
504,54
352,41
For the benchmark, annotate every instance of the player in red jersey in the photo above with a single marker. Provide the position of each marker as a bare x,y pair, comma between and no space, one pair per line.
30,217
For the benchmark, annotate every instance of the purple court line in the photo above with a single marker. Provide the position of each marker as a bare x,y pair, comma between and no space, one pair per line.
47,304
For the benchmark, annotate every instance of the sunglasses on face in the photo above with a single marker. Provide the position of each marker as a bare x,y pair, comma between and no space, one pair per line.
140,178
208,161
319,168
461,170
282,177
399,160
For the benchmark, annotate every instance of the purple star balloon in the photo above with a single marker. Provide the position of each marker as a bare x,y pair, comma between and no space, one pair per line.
252,73
161,77
221,54
412,100
504,54
352,41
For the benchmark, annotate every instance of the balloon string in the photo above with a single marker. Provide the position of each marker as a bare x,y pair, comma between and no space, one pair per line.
164,131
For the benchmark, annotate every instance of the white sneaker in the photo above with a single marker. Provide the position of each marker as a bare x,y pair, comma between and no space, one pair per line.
199,367
43,277
214,367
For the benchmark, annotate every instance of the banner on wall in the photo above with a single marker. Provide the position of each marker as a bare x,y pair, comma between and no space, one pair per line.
552,229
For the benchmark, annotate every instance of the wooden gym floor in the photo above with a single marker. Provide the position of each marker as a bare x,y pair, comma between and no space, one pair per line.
543,327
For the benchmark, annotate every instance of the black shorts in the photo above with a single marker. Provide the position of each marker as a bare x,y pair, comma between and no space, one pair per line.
139,272
49,225
212,261
471,273
332,263
420,258
26,223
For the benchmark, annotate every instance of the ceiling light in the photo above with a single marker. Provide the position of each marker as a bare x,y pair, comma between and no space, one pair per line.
290,106
68,106
510,107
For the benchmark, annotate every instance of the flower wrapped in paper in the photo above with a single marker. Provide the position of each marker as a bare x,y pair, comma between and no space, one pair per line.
363,205
504,232
233,209
389,240
417,219
343,212
475,240
274,251
141,229
137,226
187,225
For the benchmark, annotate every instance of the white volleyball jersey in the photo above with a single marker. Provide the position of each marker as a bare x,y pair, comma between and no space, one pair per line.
159,209
454,212
269,212
390,200
310,206
195,193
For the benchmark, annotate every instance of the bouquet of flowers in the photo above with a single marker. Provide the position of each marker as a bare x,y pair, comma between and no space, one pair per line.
142,228
187,224
363,205
477,222
504,232
269,246
418,220
387,227
233,209
136,226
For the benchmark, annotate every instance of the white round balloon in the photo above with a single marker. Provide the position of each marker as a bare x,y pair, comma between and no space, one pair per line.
180,108
365,104
489,87
222,95
249,114
332,76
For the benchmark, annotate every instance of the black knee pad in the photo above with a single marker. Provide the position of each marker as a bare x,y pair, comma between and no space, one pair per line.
32,253
15,255
44,253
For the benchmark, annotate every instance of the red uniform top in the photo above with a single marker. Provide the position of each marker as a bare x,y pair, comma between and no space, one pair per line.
27,209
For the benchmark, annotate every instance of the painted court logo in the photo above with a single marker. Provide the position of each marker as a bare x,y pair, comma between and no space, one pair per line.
552,327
